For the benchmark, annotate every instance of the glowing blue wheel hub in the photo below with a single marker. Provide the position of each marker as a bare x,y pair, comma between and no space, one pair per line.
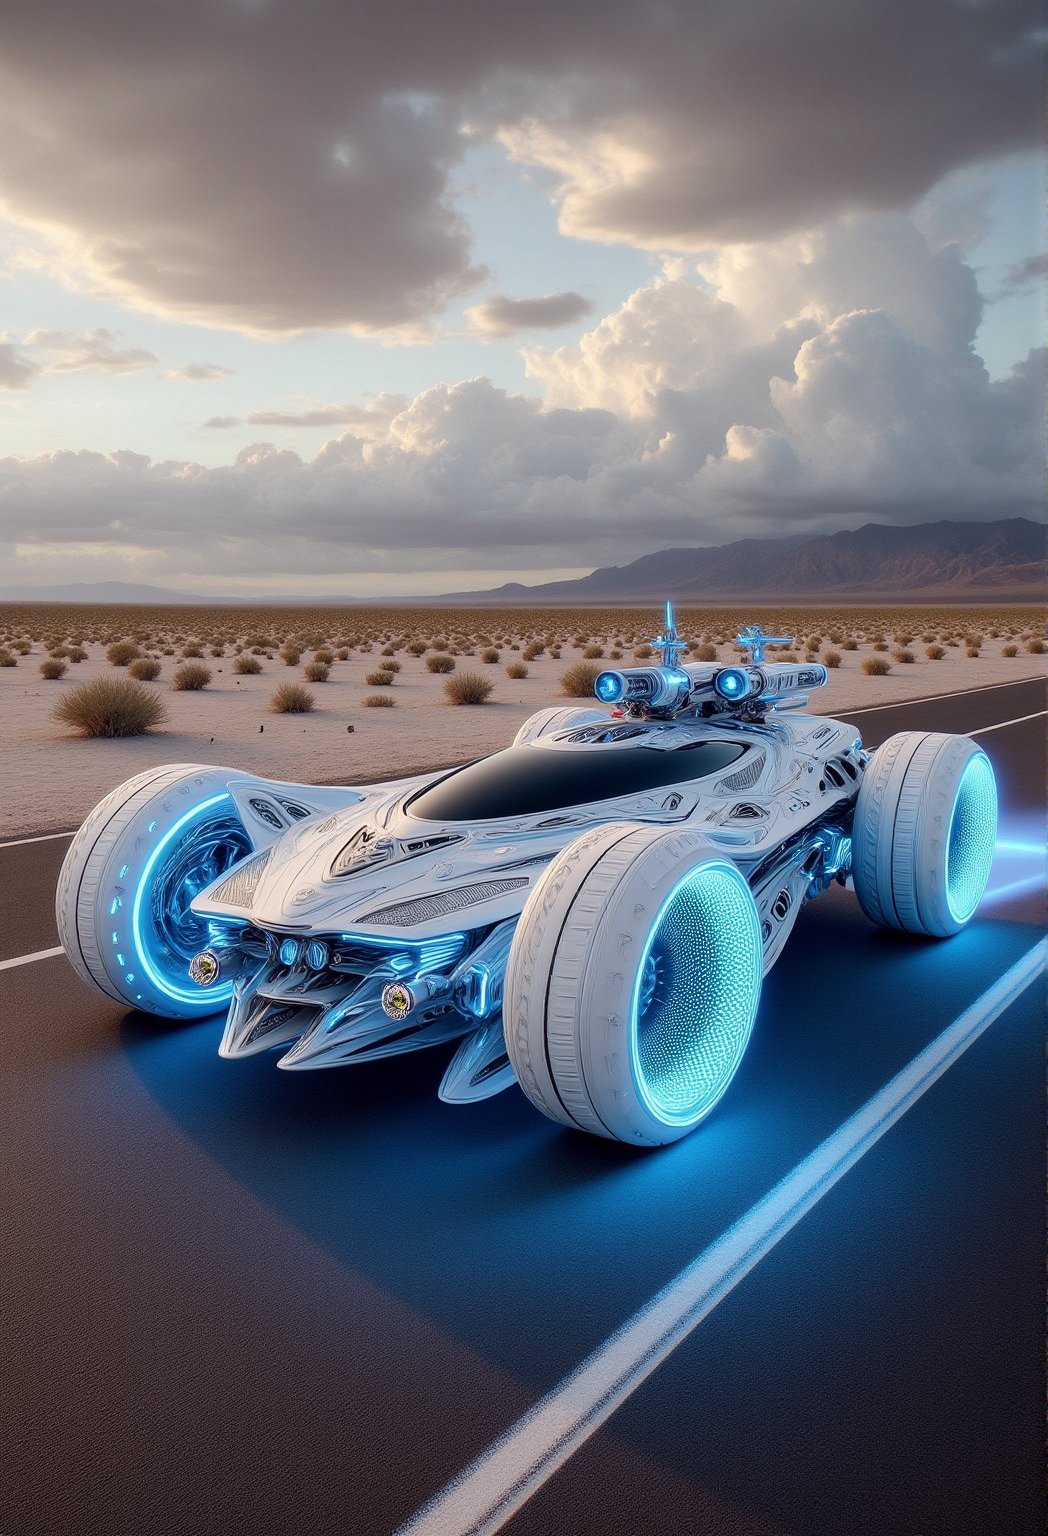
971,838
696,994
196,850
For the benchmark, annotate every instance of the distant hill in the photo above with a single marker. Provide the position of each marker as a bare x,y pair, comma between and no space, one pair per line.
104,592
1003,560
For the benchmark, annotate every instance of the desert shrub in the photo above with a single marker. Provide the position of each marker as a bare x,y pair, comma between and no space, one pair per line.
577,682
831,659
468,688
416,648
1035,647
218,650
121,652
880,645
342,654
591,652
144,670
190,677
378,701
972,652
973,641
247,666
850,644
439,644
290,656
902,639
75,654
324,656
53,667
440,663
317,672
23,647
490,655
517,669
7,660
704,652
390,666
533,649
615,654
292,699
813,642
935,652
1006,650
876,666
192,651
929,638
380,679
903,656
389,650
110,706
643,652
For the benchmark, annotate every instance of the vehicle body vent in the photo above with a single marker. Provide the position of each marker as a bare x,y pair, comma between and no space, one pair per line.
405,914
744,777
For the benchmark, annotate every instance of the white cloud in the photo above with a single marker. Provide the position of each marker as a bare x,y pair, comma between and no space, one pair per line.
16,370
94,351
376,413
199,373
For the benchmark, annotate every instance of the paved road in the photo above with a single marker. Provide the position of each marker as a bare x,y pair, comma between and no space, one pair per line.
242,1301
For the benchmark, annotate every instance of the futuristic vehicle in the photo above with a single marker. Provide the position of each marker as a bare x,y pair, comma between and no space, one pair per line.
590,912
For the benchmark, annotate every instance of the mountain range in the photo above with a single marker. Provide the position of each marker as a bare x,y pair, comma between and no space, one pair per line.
1003,561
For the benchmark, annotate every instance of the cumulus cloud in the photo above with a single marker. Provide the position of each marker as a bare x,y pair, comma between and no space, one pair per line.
276,167
338,414
16,370
199,373
501,316
95,351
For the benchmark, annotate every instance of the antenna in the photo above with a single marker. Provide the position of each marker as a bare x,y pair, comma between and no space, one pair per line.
754,640
669,644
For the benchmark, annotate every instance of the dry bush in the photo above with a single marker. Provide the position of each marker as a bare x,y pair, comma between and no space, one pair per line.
342,654
292,699
317,672
831,659
76,654
972,652
378,701
388,650
535,649
1035,647
7,660
440,663
390,666
876,666
23,647
879,645
144,670
121,652
903,657
849,644
190,677
643,652
577,682
490,655
247,666
53,667
1006,650
380,679
934,652
110,706
704,652
416,648
325,657
191,652
290,656
468,688
517,669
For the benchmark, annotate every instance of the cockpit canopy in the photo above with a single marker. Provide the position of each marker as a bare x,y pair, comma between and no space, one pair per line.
528,780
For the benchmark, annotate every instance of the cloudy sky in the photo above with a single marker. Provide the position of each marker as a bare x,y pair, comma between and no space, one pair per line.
379,296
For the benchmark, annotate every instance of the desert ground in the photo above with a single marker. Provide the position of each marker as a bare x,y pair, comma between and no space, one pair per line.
51,776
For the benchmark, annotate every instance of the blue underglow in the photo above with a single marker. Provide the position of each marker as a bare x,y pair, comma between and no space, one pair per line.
166,984
696,994
971,838
609,687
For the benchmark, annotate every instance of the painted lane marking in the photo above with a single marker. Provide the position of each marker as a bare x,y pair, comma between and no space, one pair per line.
1021,720
932,698
483,1497
39,954
45,837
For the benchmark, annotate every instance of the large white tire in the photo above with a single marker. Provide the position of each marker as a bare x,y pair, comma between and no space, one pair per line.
632,983
924,832
130,872
561,718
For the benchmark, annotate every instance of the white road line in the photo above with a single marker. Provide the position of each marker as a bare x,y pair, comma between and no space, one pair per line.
39,954
45,837
984,729
932,698
483,1497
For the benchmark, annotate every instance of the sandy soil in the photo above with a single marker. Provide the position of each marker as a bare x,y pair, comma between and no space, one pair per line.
49,779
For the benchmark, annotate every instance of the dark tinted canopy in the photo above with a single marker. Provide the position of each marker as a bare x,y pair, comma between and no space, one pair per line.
524,781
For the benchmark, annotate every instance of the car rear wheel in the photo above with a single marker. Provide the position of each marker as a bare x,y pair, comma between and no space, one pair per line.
131,872
632,984
924,832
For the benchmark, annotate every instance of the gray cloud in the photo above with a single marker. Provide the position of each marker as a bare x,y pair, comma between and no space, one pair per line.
199,373
274,167
335,415
88,351
16,370
501,316
1028,273
220,423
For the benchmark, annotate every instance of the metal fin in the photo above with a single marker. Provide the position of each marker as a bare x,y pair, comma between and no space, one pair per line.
479,1068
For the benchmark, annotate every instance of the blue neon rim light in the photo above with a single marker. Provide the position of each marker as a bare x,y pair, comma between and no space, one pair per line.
609,687
213,999
972,837
696,993
732,683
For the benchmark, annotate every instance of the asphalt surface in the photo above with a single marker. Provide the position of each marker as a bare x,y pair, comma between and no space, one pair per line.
243,1301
